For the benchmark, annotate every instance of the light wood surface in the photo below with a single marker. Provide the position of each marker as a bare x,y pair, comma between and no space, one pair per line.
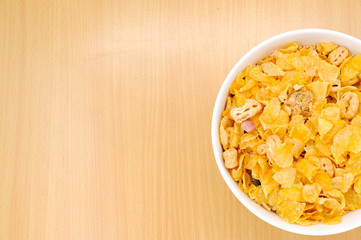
105,113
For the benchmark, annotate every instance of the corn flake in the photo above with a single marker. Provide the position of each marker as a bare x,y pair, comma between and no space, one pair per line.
328,72
310,192
325,48
319,89
291,211
351,68
343,183
308,166
357,186
300,132
293,193
347,139
272,69
353,200
285,177
283,156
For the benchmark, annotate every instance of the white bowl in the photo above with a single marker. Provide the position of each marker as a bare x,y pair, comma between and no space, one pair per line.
303,37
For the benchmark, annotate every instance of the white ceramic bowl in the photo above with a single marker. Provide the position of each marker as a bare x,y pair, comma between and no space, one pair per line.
303,37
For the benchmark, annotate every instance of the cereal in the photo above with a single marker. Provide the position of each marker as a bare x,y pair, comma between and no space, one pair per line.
351,69
308,166
357,186
272,69
282,155
234,135
299,102
327,166
349,104
262,149
257,74
237,173
343,183
230,158
325,48
348,139
310,192
319,90
336,85
224,136
268,184
328,72
291,133
285,177
323,179
300,132
273,118
291,211
353,200
350,82
271,143
292,47
324,126
337,56
250,108
247,125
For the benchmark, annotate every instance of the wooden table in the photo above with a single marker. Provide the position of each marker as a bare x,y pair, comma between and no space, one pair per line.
105,112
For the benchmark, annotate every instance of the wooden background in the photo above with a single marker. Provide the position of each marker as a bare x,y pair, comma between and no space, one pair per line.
105,114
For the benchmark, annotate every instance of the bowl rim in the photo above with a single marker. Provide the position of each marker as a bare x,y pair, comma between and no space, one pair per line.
216,116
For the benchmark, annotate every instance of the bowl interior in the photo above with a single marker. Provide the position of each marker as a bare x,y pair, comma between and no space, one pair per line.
303,37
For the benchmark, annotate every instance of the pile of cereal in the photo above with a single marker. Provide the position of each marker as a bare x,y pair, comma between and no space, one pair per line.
291,133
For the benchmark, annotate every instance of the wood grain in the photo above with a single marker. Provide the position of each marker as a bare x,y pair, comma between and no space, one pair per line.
105,112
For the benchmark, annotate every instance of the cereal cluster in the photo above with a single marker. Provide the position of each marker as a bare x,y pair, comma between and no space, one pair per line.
291,133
